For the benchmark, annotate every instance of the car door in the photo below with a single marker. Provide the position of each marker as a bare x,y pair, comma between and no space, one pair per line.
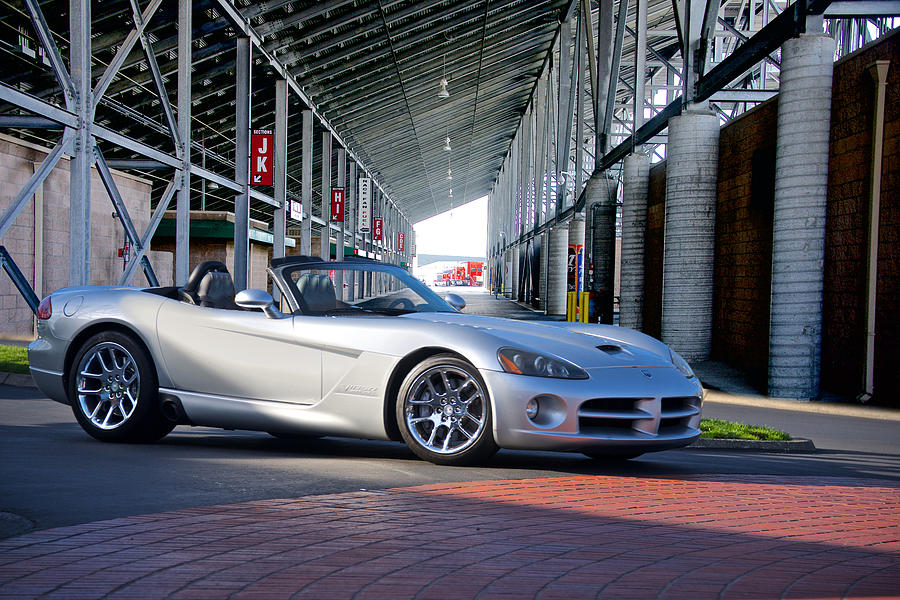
241,354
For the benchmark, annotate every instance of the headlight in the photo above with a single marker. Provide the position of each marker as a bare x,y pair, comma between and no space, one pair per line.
680,364
523,362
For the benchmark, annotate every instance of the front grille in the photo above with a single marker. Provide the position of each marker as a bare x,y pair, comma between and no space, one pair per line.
637,417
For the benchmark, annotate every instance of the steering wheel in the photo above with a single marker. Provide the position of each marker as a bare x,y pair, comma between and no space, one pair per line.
402,303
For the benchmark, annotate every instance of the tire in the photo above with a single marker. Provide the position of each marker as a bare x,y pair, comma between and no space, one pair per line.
113,390
444,412
612,457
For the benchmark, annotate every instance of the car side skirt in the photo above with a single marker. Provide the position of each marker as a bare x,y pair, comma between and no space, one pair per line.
362,420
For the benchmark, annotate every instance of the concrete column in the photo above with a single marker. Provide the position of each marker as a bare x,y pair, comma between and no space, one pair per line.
600,209
798,238
542,271
558,249
576,237
636,178
690,233
242,70
514,273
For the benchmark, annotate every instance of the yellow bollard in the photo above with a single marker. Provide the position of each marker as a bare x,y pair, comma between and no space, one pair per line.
571,307
583,308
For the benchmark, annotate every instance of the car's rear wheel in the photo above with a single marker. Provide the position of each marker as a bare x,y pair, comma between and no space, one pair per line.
444,412
113,390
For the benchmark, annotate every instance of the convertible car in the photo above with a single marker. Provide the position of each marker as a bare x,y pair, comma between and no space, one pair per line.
356,348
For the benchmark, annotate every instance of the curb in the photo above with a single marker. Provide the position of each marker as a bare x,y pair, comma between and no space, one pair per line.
16,379
784,446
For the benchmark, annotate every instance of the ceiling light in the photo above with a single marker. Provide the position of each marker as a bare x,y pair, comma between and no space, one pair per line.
443,92
449,174
447,144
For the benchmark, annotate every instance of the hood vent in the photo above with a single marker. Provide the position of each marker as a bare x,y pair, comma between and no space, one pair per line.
611,349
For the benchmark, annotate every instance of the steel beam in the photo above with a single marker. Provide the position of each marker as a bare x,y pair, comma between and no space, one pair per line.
306,182
40,174
603,139
280,169
183,203
155,220
640,63
80,165
52,52
118,203
242,164
325,235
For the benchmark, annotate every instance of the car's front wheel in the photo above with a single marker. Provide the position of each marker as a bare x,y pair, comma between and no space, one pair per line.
444,412
113,390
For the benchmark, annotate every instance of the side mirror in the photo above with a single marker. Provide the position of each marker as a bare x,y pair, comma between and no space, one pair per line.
456,301
258,299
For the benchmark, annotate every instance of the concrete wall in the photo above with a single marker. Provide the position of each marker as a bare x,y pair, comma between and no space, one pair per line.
17,163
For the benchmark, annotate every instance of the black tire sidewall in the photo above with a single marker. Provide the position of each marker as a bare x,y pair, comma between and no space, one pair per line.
483,448
147,422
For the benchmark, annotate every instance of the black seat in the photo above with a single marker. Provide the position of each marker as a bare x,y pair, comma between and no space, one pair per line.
209,285
316,293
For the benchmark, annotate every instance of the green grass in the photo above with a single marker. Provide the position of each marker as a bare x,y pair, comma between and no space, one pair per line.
13,359
719,429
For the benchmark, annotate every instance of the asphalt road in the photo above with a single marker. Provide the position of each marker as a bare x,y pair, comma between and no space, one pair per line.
54,474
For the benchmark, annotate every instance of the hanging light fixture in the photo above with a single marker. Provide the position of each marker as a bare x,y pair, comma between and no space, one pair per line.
447,144
443,92
449,172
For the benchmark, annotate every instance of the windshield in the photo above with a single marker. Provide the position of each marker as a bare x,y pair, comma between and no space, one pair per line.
343,288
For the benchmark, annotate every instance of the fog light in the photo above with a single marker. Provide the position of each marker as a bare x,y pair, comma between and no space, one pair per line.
531,409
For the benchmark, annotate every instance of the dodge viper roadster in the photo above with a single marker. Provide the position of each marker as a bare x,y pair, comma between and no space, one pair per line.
355,348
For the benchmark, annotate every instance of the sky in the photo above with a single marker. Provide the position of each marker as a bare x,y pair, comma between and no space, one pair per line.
461,231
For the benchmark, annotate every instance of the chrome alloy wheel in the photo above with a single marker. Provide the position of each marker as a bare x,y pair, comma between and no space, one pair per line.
108,385
445,409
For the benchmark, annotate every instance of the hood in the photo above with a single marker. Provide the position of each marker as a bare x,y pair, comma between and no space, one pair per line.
585,344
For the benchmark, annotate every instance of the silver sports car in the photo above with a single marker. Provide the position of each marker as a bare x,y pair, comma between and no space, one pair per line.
361,349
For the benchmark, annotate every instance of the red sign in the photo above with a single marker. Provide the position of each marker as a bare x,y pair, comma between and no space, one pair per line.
262,155
337,205
378,233
401,238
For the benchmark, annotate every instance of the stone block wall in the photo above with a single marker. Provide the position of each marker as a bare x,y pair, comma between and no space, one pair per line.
849,180
743,265
18,160
653,251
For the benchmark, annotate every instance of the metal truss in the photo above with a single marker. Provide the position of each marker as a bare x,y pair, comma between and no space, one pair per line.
618,97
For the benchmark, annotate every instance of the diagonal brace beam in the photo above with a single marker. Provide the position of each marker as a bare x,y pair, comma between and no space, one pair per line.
21,199
139,256
52,50
124,50
119,204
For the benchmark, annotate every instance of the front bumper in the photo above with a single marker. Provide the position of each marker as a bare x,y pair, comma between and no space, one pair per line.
638,409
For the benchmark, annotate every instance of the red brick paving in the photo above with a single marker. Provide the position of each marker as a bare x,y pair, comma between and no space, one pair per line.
563,537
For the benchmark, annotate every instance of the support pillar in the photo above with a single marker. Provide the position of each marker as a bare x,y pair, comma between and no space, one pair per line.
690,233
542,272
80,167
798,237
280,169
241,269
558,251
306,184
514,273
600,210
636,178
325,235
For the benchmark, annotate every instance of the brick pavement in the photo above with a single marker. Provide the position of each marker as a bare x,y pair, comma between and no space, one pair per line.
564,537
